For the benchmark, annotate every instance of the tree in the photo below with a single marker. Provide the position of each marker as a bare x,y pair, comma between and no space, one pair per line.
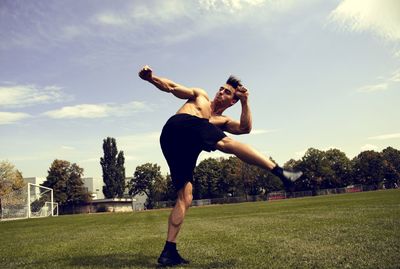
57,179
341,168
315,167
121,174
249,175
205,179
148,180
391,166
230,182
77,194
10,178
113,169
170,193
66,181
368,168
268,182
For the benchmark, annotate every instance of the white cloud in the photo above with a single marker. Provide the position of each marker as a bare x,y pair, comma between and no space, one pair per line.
67,147
11,117
374,88
395,76
28,95
261,131
385,136
143,14
111,19
237,6
377,16
106,28
229,5
91,111
161,12
369,147
174,21
382,86
79,111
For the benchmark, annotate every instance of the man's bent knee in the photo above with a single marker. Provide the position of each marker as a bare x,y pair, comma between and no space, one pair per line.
188,200
185,195
185,200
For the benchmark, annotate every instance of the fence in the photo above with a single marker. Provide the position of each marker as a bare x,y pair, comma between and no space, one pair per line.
279,195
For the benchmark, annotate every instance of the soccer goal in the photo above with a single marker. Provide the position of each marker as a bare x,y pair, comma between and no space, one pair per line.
31,201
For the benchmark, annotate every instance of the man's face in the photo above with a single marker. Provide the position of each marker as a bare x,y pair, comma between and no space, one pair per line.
225,95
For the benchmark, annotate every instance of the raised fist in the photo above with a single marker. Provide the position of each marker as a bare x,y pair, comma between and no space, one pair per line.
146,73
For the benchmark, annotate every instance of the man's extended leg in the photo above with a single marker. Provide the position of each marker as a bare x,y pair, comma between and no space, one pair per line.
251,156
170,255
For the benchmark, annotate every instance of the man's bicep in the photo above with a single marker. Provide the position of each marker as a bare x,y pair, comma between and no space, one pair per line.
233,127
183,92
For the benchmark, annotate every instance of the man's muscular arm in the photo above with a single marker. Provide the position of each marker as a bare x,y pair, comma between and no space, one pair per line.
169,86
245,124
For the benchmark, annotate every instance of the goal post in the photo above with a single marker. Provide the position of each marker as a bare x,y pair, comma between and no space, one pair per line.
31,201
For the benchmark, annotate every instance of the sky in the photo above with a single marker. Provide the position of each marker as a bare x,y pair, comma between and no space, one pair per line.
320,73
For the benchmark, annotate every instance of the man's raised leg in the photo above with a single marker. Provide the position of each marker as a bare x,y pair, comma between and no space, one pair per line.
170,255
249,155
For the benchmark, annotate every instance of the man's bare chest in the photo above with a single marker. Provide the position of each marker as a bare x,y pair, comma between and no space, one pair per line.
218,120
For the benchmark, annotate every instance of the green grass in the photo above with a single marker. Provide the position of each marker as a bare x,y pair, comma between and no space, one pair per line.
360,230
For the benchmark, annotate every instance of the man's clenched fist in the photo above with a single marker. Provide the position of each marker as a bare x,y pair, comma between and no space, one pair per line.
146,73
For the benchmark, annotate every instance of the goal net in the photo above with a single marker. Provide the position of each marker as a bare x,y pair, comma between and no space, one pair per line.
31,201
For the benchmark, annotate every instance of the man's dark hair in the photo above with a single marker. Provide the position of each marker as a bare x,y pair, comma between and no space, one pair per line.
234,81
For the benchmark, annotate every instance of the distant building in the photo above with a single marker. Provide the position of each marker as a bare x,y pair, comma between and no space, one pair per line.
35,180
34,191
94,186
138,200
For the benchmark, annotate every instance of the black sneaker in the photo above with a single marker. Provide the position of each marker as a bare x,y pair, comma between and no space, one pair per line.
171,258
183,261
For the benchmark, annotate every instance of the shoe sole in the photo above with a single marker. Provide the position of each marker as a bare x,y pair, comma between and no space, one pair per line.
166,262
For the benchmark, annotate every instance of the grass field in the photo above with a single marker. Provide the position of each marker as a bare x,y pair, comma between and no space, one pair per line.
360,230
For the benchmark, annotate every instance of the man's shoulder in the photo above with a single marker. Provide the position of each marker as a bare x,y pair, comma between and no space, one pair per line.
200,92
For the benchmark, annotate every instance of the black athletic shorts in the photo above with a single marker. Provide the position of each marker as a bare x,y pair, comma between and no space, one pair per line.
182,139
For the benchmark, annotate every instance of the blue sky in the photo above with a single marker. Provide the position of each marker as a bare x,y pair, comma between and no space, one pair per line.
321,73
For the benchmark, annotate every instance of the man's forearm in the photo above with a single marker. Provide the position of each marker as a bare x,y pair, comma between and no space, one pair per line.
162,83
245,118
169,86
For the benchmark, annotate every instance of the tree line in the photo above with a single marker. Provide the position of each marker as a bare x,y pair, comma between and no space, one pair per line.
226,177
214,177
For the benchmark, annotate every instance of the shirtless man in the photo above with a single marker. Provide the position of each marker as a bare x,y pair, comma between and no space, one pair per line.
199,125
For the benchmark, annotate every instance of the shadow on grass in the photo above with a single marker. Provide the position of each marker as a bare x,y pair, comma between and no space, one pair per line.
137,260
216,264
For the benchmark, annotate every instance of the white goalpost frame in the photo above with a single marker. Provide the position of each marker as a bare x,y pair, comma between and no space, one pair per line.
29,199
31,196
